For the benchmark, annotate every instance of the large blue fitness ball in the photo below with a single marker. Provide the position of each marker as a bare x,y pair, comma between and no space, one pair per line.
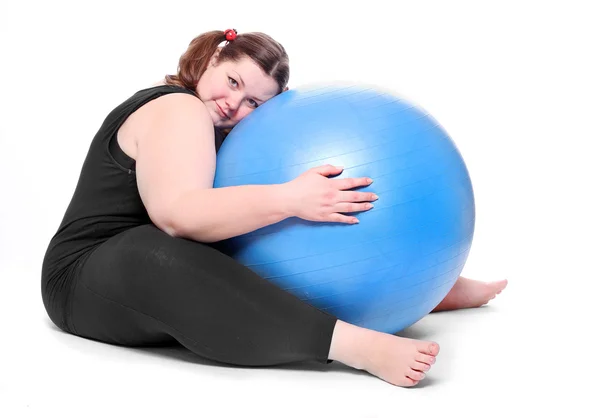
400,261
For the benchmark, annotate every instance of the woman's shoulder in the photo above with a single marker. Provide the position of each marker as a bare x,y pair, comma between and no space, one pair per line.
163,100
178,111
176,103
160,89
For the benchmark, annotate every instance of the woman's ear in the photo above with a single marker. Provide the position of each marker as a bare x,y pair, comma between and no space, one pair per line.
215,55
286,89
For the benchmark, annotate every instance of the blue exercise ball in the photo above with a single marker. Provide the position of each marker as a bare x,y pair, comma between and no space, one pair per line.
403,257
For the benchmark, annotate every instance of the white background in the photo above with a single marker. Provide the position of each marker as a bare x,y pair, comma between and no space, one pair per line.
515,83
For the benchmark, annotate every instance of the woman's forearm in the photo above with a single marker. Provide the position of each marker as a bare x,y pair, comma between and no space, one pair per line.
210,215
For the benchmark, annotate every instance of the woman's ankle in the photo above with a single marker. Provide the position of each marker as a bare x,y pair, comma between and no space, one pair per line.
348,344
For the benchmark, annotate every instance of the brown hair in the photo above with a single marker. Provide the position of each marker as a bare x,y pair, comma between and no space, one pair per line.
267,53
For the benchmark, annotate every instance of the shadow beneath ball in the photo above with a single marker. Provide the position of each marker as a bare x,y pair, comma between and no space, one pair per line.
418,331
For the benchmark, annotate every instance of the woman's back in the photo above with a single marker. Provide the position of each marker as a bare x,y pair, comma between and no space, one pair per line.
105,203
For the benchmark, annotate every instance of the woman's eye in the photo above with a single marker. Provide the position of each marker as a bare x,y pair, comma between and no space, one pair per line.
233,82
252,103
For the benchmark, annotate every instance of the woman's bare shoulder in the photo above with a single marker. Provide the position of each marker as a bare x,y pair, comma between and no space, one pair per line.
174,111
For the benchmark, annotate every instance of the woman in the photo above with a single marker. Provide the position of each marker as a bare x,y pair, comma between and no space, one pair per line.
131,263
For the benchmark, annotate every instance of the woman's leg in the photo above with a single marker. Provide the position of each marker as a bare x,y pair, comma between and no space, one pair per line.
144,287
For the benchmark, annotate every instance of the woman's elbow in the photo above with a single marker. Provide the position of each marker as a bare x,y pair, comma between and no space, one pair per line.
167,225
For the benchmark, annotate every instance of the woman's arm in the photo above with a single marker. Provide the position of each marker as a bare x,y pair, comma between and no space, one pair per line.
175,166
210,215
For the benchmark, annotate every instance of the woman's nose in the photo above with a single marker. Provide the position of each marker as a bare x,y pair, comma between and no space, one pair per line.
233,102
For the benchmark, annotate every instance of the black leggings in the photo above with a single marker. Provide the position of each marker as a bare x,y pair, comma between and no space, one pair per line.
144,287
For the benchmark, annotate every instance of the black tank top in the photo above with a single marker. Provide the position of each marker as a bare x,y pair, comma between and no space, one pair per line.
105,203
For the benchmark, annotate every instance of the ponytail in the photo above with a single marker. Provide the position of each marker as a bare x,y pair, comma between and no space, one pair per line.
195,60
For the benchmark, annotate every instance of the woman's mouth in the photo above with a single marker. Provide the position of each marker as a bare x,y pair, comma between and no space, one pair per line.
220,111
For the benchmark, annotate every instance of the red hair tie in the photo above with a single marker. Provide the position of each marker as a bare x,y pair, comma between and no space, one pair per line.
230,34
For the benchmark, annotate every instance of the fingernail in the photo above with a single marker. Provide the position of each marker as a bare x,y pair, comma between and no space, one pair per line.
370,180
369,206
375,196
339,167
356,221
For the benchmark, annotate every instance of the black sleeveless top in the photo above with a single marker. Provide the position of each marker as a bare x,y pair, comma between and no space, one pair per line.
105,203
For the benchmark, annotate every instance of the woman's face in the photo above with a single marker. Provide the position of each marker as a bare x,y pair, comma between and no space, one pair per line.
233,89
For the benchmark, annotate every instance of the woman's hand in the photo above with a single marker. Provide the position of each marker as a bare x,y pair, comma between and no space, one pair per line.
315,197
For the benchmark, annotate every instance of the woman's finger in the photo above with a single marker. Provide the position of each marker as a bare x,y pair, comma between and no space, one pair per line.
348,207
338,217
351,183
347,196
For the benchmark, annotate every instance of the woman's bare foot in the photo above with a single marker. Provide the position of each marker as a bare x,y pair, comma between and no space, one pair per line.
396,360
467,293
403,361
